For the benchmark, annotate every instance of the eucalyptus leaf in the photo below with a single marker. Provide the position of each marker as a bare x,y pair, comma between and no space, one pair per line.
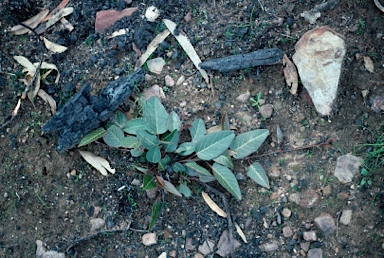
197,130
154,155
214,144
155,116
249,142
149,182
170,141
148,140
257,173
164,163
92,136
173,122
198,168
129,142
156,208
186,148
133,125
113,136
227,179
120,119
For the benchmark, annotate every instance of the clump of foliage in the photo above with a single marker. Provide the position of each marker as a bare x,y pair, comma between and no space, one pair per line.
156,139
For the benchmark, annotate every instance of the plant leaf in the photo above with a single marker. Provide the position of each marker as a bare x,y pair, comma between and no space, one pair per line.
148,140
47,98
214,144
164,163
240,232
149,182
186,148
197,130
207,179
227,179
171,141
144,170
136,152
129,142
120,119
155,116
224,159
92,136
101,164
133,125
177,167
184,190
213,205
173,122
257,173
168,186
156,208
249,142
54,47
198,168
154,155
113,136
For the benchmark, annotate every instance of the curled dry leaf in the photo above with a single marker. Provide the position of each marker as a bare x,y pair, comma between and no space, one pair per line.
290,74
47,98
368,64
188,48
101,164
53,46
240,232
32,23
213,205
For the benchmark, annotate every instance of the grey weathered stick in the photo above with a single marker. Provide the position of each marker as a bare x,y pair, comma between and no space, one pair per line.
84,113
268,56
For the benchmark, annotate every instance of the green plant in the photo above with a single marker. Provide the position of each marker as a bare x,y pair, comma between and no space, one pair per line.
154,139
256,102
360,27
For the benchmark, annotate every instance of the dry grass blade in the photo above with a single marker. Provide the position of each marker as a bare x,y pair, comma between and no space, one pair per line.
213,205
52,103
53,46
32,23
240,232
101,164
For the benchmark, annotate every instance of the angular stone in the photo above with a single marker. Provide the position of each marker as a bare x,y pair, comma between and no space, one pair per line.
169,81
270,247
149,239
309,198
315,253
347,167
287,231
346,217
326,224
319,57
286,213
156,65
223,246
310,236
207,247
266,110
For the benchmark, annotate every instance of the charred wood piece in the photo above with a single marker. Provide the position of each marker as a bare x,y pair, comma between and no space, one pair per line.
84,113
268,56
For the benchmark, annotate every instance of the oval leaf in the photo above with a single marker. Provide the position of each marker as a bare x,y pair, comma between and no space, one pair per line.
171,140
156,208
132,126
174,122
197,130
113,136
120,119
155,116
164,163
168,186
224,159
184,190
198,168
186,148
177,167
148,140
153,155
249,142
149,182
92,136
227,179
214,144
257,173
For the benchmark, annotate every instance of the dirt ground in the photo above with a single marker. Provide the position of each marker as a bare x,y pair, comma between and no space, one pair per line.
52,197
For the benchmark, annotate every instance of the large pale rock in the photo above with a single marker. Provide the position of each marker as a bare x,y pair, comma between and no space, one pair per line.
319,57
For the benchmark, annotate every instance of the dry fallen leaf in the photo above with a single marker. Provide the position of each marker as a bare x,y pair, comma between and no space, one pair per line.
120,32
53,46
101,164
34,88
105,18
66,24
60,6
368,64
16,109
152,47
188,48
55,17
47,98
290,74
49,67
213,205
32,23
240,232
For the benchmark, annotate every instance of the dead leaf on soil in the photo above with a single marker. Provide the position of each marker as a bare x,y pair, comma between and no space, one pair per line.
47,98
101,164
290,74
32,22
368,64
66,24
105,18
188,48
240,232
55,17
213,205
34,89
53,46
60,6
152,47
120,32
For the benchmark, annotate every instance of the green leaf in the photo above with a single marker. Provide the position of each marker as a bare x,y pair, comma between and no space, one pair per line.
249,142
171,141
120,119
113,136
164,163
174,122
144,170
149,182
154,155
156,208
155,116
227,179
129,142
177,167
364,172
132,126
168,186
207,179
214,144
224,159
136,152
197,130
184,190
148,140
198,168
186,148
92,136
257,173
